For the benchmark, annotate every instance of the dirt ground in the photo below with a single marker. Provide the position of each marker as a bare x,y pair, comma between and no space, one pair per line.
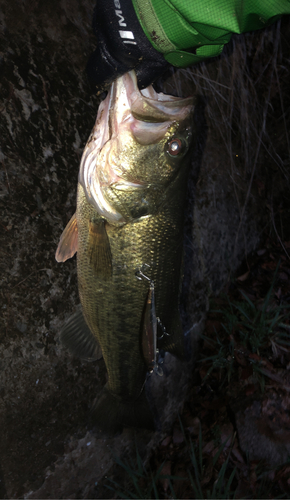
238,197
233,433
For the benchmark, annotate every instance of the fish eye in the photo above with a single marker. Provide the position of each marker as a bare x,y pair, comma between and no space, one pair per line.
174,146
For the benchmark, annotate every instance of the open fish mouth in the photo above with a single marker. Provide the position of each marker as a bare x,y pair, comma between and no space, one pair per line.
127,118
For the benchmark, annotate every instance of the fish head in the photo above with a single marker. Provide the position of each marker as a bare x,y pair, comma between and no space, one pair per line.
140,143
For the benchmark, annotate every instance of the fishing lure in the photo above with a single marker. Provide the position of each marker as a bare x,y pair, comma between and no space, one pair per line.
149,330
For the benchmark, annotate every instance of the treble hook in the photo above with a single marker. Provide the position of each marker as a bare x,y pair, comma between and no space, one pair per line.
164,332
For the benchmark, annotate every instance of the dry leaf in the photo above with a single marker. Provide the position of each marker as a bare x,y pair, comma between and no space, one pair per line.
177,436
243,277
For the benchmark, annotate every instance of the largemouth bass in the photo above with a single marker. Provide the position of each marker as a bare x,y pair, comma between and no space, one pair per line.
128,224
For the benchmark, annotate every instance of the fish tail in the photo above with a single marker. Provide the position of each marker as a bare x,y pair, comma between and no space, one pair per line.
110,414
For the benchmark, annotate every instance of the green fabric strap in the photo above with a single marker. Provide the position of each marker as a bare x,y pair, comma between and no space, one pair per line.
189,31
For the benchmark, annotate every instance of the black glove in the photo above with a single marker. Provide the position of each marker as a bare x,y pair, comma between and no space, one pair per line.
122,46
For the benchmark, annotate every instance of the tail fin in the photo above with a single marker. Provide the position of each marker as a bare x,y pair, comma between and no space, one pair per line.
110,413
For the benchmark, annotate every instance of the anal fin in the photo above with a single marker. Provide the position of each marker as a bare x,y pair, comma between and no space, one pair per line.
68,243
99,250
78,338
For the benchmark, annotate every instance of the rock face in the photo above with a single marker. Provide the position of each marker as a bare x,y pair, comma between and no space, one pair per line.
46,115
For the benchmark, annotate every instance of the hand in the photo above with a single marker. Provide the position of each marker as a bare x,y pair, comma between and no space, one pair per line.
122,46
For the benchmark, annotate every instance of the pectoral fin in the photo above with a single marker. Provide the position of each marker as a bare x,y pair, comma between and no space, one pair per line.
79,339
99,250
68,243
